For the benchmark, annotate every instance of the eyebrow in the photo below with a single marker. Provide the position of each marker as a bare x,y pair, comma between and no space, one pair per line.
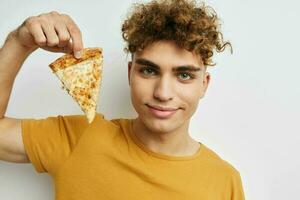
184,68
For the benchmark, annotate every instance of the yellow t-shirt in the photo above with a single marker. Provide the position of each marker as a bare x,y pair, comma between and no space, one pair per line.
105,160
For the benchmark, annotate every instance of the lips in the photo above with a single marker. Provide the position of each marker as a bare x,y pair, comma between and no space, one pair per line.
162,112
162,108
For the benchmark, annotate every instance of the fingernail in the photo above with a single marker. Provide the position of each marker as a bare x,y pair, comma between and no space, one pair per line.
77,54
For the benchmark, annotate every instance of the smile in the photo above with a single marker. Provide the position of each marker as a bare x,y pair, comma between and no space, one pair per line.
161,113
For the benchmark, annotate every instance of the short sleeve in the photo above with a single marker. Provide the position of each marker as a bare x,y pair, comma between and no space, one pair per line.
48,142
236,187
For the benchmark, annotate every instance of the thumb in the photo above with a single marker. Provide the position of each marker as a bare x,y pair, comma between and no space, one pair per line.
71,49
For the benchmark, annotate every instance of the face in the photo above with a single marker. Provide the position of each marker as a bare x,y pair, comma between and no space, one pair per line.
154,82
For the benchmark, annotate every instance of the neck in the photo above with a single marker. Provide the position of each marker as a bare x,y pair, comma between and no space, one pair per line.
174,143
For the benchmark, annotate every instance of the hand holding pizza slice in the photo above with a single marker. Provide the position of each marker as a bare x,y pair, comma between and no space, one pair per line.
81,78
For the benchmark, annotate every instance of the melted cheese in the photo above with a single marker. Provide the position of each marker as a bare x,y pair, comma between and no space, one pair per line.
82,81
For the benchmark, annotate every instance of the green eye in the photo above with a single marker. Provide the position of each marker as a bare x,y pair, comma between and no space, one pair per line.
147,71
188,75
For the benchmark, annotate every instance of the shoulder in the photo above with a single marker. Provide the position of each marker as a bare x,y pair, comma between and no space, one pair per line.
220,165
225,174
111,126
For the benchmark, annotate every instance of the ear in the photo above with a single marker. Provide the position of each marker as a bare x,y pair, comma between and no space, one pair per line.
129,70
206,80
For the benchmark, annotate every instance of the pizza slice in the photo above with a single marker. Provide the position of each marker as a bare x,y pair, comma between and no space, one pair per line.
81,78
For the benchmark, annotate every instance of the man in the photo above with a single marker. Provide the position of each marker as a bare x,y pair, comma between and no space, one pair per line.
150,157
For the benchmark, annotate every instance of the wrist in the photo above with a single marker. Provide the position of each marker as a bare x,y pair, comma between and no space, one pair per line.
13,41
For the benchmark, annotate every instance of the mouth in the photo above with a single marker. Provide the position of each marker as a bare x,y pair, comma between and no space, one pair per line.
162,112
162,108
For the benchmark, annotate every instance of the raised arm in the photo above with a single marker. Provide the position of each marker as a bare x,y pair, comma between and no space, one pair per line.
53,32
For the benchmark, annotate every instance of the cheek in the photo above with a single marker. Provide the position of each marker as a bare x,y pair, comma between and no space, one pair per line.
139,89
190,96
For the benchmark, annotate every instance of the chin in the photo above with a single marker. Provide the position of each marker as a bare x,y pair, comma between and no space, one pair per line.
158,125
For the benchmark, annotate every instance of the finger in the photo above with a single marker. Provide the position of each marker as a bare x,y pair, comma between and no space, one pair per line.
68,48
65,49
51,35
35,29
63,34
76,36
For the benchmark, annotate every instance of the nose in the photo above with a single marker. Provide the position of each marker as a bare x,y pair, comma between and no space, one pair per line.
163,90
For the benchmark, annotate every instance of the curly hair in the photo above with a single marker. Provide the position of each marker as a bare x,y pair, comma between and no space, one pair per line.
192,27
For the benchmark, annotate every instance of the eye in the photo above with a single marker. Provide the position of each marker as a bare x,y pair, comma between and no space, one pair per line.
146,69
187,75
150,71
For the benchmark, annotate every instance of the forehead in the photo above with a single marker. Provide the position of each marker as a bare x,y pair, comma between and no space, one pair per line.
167,53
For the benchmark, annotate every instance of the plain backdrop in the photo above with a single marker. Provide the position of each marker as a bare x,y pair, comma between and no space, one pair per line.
249,116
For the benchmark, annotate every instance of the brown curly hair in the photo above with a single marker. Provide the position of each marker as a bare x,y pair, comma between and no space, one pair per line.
192,27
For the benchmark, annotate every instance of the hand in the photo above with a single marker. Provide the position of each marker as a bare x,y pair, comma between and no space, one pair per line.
52,31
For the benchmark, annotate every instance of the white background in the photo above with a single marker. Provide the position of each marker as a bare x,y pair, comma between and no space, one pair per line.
249,116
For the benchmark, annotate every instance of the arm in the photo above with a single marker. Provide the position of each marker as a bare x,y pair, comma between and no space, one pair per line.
52,32
12,56
11,145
